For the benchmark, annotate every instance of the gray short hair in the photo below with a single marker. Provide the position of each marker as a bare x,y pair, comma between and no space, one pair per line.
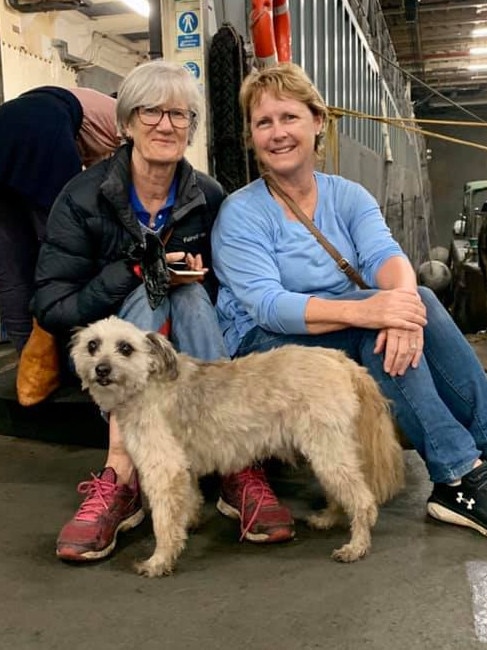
157,82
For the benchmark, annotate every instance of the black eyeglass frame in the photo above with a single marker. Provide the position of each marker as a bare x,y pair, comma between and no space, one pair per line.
189,114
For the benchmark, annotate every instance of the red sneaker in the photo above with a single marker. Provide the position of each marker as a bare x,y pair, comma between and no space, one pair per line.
107,510
248,496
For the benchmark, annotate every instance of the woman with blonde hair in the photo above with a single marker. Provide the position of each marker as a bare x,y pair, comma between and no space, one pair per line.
278,285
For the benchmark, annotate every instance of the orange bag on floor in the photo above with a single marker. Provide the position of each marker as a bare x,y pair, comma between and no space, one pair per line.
38,373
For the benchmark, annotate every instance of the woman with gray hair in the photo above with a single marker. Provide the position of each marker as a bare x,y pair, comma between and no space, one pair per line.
112,236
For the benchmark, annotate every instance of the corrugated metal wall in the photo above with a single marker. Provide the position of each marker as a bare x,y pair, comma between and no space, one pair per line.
333,43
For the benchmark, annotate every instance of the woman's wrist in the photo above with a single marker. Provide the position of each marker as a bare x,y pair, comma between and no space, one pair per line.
323,316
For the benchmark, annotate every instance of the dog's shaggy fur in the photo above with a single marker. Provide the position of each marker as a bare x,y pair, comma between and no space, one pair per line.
181,418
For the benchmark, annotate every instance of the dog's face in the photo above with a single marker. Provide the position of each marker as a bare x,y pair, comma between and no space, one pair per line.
114,360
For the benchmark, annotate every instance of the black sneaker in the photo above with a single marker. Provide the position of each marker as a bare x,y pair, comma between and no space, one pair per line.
464,504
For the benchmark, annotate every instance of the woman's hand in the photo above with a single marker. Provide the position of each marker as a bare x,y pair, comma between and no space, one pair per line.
393,308
174,257
193,262
402,349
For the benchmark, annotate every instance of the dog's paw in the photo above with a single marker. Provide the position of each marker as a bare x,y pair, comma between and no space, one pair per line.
349,553
152,568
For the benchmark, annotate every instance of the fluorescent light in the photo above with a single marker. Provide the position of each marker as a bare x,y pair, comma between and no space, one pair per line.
140,7
476,33
478,50
477,66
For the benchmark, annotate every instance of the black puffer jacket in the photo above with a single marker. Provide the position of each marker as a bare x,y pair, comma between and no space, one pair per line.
83,272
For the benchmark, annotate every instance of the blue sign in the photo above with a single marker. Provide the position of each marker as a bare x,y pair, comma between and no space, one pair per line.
188,35
194,68
188,22
192,40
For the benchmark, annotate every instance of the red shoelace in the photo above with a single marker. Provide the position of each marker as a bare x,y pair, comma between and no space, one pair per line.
99,493
255,488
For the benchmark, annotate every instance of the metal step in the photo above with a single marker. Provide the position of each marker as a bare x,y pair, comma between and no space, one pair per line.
68,416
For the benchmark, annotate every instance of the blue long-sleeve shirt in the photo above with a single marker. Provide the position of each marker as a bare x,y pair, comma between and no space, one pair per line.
269,266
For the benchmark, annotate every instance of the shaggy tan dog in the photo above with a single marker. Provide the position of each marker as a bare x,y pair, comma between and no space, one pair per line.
181,418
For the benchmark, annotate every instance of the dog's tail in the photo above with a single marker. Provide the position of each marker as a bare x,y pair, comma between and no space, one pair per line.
382,455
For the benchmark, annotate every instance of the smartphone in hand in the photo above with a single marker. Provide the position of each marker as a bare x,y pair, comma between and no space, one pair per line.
180,268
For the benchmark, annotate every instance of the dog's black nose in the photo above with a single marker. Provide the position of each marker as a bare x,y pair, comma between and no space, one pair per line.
103,369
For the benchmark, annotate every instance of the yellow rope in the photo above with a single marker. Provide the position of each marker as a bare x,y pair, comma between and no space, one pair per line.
335,113
349,111
399,122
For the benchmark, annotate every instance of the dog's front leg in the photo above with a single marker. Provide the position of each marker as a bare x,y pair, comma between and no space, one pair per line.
168,500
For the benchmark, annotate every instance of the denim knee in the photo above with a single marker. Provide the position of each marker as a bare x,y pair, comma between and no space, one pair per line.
429,298
136,310
187,295
195,328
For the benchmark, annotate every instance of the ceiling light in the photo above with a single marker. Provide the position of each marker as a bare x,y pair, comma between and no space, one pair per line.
477,66
476,33
140,7
478,50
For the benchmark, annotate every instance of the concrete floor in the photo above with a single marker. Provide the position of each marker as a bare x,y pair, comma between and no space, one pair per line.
411,592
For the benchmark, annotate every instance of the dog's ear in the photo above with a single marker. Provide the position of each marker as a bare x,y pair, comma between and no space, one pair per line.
163,354
75,333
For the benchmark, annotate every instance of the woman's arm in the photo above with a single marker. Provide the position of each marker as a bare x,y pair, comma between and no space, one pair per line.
244,248
245,264
386,267
73,285
396,273
397,306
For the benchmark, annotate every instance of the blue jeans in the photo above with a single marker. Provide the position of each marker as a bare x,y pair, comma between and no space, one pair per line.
194,324
441,406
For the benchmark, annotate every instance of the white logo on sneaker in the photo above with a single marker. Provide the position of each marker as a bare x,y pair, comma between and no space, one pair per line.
470,502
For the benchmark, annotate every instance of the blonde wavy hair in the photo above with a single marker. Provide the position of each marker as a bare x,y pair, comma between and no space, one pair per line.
284,80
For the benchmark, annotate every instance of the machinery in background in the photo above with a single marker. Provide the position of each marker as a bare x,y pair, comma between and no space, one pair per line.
468,260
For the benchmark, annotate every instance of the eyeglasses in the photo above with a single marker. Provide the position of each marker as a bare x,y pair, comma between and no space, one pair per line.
152,115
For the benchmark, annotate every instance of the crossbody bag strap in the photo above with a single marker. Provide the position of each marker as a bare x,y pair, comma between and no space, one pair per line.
342,263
